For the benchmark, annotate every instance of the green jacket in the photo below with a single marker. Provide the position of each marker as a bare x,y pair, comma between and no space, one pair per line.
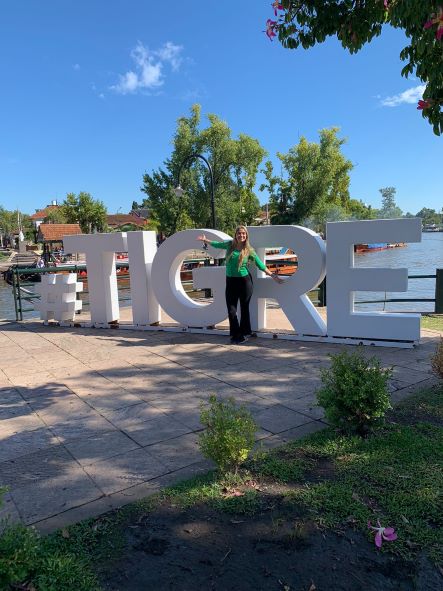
232,269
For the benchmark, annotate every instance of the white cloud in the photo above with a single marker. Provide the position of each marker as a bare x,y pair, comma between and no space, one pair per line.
410,96
171,53
149,64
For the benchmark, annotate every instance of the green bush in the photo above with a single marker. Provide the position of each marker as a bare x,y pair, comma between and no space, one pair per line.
229,434
29,561
18,554
355,392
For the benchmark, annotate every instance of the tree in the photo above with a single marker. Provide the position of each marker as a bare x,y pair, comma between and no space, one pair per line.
356,22
428,216
389,208
316,176
359,210
234,162
9,225
84,210
55,215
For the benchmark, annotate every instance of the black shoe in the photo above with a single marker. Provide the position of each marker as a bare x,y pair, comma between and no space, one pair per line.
238,340
251,335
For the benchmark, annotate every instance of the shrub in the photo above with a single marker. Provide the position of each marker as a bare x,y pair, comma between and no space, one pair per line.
18,554
229,434
355,392
437,359
28,561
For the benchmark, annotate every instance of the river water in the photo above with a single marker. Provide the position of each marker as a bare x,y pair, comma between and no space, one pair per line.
421,258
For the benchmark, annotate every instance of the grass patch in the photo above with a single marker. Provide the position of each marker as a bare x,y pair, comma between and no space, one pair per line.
281,465
434,322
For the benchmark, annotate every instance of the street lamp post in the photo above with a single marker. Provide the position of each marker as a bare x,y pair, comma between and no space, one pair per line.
179,191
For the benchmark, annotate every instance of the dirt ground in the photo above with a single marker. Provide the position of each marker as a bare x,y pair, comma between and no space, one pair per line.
201,548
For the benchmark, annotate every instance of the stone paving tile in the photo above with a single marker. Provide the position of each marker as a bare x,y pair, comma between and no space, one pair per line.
278,418
50,391
190,417
8,511
58,411
28,421
305,405
130,415
86,427
39,465
25,442
404,393
48,497
177,453
34,379
403,377
301,431
114,399
13,408
159,429
125,470
9,395
100,447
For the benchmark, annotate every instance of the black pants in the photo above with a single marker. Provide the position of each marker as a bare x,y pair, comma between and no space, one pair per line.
238,288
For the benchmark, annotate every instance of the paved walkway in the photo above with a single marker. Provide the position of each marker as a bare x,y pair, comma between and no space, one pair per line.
92,419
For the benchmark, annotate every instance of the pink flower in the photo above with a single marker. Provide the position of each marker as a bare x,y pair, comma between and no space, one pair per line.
276,6
270,28
436,20
423,105
385,4
383,533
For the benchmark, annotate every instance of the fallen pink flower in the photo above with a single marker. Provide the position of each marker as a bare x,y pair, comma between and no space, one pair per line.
383,533
270,28
423,105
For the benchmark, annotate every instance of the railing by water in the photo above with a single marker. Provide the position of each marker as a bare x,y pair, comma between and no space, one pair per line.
23,280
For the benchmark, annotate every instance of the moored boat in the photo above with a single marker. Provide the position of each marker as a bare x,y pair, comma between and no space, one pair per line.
359,248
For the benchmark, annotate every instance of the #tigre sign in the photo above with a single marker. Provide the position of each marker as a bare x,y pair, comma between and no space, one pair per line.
156,285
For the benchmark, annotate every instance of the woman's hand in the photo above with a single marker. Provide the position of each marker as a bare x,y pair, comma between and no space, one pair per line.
277,278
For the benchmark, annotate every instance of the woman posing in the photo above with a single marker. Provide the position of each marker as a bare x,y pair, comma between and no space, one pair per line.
239,280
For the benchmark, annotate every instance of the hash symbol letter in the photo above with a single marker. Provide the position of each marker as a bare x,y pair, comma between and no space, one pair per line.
58,297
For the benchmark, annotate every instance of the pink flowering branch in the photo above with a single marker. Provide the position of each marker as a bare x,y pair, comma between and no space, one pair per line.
271,27
276,6
436,20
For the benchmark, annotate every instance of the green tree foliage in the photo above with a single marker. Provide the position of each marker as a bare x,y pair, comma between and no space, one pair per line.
235,164
56,215
429,216
389,208
84,210
9,225
315,179
356,22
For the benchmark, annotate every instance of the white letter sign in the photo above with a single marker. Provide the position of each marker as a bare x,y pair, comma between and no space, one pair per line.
343,279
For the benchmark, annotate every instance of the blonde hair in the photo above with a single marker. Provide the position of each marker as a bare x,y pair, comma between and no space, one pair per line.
245,250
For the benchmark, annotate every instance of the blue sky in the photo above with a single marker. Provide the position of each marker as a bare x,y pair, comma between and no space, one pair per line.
91,92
